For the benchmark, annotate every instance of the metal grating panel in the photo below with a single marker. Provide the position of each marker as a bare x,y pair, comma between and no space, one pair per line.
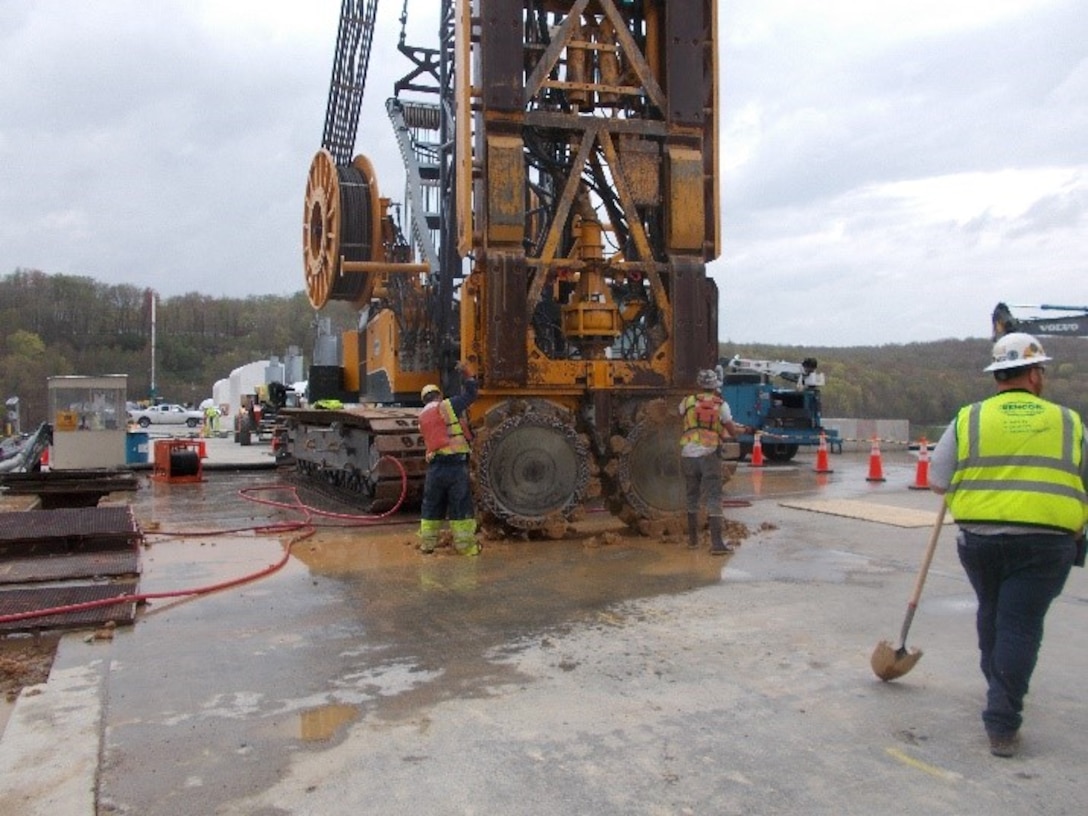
69,567
68,488
15,601
65,530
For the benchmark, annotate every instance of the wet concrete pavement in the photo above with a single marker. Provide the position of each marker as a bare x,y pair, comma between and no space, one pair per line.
601,674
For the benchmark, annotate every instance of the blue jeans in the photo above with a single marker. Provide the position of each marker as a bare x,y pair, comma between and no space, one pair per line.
446,491
702,482
1015,578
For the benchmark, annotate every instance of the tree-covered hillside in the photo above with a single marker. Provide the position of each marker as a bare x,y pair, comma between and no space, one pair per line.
58,324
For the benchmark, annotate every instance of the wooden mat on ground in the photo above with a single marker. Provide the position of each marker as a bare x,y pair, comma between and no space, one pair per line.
868,511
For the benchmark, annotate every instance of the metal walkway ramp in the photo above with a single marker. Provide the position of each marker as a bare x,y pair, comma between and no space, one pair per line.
64,558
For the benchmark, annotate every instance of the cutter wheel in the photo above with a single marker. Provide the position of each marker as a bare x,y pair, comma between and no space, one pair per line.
646,485
532,471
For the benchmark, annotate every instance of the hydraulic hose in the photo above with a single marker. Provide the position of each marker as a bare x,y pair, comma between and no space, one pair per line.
305,528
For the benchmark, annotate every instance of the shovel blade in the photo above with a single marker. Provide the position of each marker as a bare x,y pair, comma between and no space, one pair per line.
889,663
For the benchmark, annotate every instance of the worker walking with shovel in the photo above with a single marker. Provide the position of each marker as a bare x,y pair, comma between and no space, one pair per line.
1013,472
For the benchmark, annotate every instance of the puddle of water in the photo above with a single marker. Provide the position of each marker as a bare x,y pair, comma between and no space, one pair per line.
322,724
334,552
775,481
774,559
173,564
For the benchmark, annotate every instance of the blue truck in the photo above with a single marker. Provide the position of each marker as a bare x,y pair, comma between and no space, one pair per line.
786,416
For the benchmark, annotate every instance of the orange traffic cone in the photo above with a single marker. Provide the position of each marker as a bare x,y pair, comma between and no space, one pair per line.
921,474
876,467
822,465
757,452
757,482
44,461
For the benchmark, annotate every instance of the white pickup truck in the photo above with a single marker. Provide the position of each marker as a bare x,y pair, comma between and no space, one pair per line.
166,414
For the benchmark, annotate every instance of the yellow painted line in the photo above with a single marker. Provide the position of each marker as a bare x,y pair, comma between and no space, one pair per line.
925,767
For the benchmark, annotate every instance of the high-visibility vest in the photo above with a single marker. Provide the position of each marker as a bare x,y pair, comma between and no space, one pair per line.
1018,462
702,420
442,431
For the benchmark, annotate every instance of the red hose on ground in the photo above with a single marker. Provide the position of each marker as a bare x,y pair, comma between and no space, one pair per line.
306,526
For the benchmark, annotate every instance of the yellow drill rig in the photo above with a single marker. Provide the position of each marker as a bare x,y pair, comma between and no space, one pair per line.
561,160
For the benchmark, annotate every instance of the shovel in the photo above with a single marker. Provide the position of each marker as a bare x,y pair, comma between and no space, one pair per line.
889,663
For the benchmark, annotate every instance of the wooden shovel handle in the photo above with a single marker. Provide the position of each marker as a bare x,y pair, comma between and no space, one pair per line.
923,571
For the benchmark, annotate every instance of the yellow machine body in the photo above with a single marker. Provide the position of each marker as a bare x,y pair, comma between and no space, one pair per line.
563,204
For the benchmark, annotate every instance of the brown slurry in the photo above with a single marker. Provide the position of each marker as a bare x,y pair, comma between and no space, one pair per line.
25,661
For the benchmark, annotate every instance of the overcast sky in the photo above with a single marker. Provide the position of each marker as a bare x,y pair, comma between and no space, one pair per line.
892,169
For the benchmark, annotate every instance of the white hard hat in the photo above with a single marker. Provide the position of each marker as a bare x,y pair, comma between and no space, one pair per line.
1016,350
708,378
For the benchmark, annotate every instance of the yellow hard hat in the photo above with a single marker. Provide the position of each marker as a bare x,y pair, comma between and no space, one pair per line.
427,390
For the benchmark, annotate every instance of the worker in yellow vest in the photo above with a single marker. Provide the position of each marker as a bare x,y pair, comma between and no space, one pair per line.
447,492
211,421
707,422
1014,470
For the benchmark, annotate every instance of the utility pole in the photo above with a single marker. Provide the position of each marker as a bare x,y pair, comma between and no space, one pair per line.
154,300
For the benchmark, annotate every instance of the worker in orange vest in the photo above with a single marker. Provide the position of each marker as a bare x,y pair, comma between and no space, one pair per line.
707,421
447,492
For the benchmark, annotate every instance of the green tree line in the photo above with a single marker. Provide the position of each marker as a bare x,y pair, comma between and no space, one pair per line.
54,325
59,324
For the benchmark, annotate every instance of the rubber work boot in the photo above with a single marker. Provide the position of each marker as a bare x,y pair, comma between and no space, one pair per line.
464,536
1004,745
717,546
428,535
693,531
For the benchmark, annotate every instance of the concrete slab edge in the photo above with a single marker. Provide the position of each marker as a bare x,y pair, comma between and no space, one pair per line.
50,749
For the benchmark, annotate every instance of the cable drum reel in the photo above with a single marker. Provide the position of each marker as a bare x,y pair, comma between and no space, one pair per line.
342,221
